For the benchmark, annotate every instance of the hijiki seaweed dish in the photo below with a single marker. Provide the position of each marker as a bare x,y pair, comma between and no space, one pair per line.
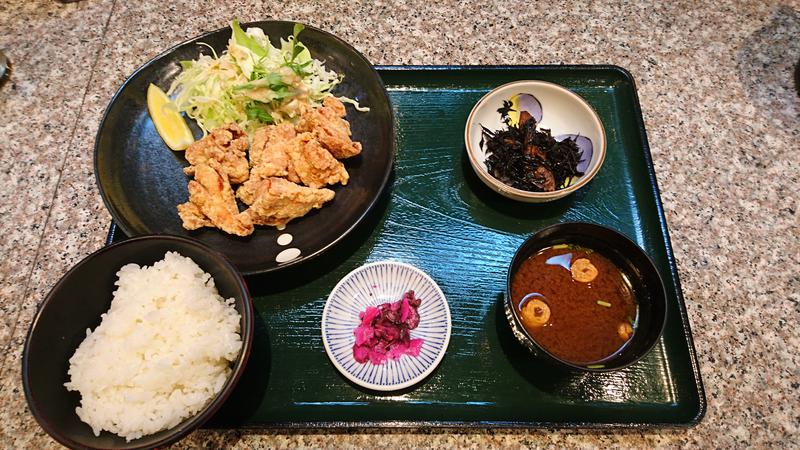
527,157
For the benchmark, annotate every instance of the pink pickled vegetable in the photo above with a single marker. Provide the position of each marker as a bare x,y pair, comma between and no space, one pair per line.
385,331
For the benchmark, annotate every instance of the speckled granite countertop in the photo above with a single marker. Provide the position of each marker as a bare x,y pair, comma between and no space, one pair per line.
716,88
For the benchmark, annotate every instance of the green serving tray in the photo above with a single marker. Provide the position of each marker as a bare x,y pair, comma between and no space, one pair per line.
438,216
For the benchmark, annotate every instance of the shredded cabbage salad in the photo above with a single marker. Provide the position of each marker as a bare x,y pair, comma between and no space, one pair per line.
253,83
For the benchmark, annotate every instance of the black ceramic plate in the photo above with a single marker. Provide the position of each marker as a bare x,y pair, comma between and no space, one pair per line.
141,179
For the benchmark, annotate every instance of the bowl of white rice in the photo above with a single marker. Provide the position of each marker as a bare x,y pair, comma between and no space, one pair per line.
138,344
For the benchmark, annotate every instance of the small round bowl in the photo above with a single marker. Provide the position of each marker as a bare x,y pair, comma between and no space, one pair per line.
77,302
634,263
561,111
371,285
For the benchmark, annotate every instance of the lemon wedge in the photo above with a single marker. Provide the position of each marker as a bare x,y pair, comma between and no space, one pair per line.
167,119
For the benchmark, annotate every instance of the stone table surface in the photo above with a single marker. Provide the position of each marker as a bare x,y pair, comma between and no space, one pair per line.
715,81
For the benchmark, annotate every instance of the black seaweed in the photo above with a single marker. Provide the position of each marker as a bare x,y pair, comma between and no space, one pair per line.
528,158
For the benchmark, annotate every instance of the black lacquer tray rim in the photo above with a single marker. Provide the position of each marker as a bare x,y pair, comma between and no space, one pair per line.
113,235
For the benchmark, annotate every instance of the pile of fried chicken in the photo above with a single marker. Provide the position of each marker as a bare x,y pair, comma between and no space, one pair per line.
285,177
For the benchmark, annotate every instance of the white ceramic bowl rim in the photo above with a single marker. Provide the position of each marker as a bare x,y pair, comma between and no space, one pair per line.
422,375
480,165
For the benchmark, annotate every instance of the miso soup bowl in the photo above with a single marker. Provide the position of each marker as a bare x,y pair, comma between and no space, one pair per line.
632,261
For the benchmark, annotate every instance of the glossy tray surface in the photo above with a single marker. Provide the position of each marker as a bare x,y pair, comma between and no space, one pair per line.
438,216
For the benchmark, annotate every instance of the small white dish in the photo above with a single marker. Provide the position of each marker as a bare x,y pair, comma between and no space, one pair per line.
562,112
371,285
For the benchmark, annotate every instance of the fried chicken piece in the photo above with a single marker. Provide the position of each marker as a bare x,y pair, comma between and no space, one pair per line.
247,191
278,201
329,127
212,194
192,217
314,165
225,145
268,156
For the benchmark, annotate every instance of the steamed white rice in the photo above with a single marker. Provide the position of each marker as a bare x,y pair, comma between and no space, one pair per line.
161,352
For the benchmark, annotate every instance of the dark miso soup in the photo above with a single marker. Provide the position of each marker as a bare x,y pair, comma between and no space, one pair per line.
575,303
